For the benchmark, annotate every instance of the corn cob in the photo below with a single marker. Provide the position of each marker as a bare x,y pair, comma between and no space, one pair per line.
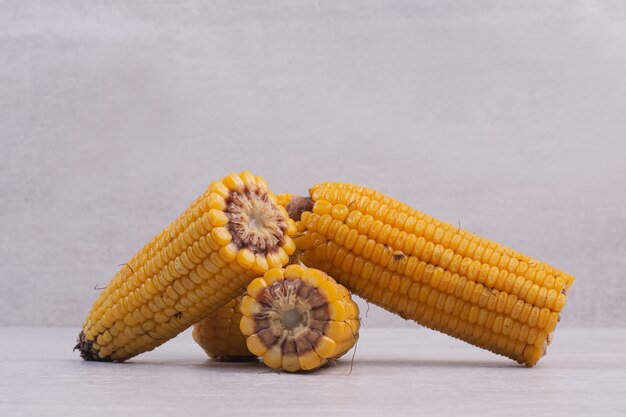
219,336
232,233
298,318
429,271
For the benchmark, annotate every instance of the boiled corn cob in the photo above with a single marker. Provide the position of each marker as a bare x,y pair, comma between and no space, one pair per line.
422,269
219,336
232,233
298,318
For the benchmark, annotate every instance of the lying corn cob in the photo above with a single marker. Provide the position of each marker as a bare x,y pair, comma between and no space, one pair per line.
298,318
219,335
232,233
432,272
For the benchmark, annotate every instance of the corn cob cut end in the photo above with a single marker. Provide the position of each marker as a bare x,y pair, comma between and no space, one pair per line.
298,318
231,234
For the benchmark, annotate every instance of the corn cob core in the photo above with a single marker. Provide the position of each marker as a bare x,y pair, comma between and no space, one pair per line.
298,318
219,336
429,271
205,258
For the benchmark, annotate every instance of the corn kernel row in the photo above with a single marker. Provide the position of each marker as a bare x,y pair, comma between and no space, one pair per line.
219,336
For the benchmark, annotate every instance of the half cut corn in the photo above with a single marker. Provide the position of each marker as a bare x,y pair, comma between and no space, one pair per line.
232,233
298,318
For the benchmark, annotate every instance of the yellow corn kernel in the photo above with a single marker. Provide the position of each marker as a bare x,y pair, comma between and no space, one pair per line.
219,336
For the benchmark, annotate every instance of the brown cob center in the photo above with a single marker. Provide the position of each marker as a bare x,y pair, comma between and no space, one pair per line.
292,319
255,222
293,316
298,205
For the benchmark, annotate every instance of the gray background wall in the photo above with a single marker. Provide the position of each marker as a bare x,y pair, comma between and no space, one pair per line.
506,116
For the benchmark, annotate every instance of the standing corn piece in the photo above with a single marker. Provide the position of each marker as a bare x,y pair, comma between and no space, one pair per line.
232,233
298,318
432,272
219,336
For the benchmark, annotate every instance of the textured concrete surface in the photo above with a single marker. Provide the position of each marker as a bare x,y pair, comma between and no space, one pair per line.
399,372
505,117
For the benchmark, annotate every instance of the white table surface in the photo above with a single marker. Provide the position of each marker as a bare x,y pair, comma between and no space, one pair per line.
395,372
